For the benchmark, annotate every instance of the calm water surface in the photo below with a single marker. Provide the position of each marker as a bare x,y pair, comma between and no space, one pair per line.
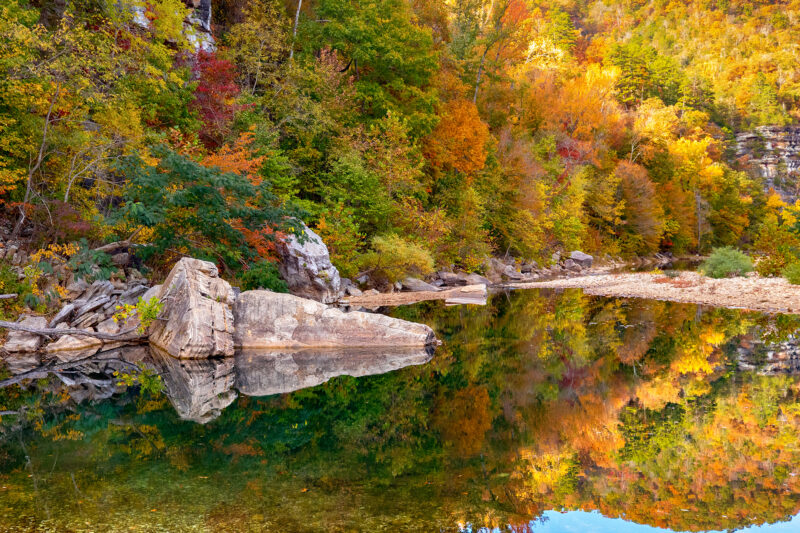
542,411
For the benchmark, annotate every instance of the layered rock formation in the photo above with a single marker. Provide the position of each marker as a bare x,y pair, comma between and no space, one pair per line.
267,319
196,320
773,152
22,341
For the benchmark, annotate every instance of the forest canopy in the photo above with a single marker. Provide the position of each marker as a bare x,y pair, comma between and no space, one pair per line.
455,129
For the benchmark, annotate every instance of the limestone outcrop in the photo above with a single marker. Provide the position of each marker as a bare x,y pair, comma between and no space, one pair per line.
265,319
773,152
196,320
306,266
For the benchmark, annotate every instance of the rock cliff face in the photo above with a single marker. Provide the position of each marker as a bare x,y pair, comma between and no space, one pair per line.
196,27
773,152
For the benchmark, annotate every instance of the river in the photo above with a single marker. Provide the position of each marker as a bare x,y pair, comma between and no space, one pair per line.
541,411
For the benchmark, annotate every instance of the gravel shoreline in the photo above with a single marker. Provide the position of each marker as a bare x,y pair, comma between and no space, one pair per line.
769,295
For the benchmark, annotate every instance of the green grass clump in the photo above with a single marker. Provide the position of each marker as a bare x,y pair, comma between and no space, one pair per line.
792,273
725,263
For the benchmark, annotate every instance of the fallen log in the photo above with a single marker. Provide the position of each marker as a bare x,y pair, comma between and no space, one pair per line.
127,243
470,294
127,335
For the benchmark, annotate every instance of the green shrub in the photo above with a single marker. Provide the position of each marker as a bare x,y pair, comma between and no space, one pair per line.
792,273
147,311
779,247
198,211
263,275
726,262
394,258
89,264
10,284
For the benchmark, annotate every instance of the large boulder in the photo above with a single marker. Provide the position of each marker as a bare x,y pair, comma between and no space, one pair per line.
196,321
307,268
451,279
22,341
417,285
582,259
267,319
477,279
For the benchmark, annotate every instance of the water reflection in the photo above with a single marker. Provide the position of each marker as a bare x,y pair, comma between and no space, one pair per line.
260,373
659,414
200,389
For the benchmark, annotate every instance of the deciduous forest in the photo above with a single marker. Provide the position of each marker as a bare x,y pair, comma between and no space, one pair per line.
410,134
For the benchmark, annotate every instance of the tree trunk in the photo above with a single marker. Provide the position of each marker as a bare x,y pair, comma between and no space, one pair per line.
34,167
294,31
480,71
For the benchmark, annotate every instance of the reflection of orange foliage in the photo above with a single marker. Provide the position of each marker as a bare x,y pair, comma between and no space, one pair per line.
459,140
464,419
242,449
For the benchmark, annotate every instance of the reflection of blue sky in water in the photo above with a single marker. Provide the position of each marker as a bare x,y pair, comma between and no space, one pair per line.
594,522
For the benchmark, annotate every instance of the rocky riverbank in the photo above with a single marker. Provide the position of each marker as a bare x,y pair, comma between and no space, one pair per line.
202,316
754,293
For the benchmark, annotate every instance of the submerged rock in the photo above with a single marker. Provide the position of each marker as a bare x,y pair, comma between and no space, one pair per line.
196,320
307,268
267,319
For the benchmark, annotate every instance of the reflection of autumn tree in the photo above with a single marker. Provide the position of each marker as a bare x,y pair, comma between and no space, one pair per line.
463,419
538,400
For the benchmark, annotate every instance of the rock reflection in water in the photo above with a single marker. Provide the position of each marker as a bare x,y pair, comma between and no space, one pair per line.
199,389
769,358
260,373
663,414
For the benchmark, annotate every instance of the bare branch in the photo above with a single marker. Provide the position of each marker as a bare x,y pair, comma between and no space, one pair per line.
126,335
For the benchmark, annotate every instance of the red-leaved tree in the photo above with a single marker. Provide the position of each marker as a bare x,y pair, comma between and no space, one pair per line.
215,97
